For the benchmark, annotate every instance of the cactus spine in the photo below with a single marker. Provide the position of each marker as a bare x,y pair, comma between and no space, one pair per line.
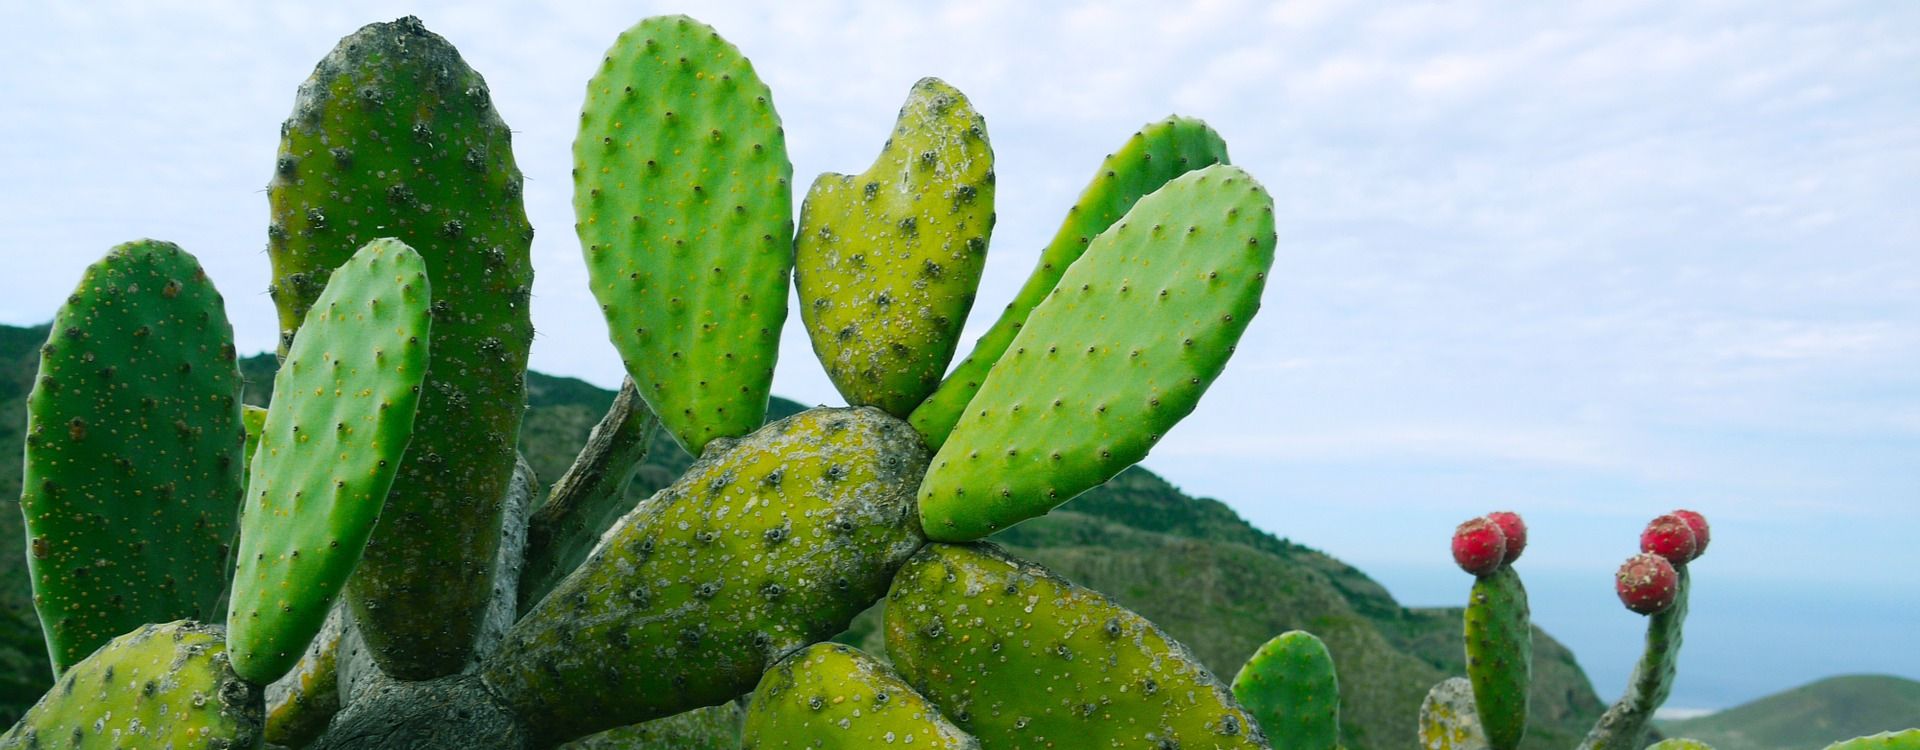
133,451
394,135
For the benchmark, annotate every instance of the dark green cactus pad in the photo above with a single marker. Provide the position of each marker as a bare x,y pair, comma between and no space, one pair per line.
887,261
341,416
1624,724
1290,687
1499,635
1908,739
834,697
1021,658
1157,153
1118,353
682,202
133,468
767,544
161,686
1447,718
394,136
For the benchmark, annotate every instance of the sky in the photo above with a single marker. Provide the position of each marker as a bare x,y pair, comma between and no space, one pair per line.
1589,262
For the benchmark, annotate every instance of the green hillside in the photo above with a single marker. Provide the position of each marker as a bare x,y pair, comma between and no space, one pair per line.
1190,564
1809,716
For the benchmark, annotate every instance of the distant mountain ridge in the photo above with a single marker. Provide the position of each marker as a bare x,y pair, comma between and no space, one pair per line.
1191,565
1809,716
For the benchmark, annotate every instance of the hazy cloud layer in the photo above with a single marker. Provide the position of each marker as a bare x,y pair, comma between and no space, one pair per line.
1590,262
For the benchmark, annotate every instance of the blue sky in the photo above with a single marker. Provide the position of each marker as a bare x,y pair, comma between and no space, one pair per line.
1589,262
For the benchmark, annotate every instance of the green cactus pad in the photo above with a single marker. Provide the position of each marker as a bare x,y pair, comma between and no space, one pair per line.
887,261
133,467
1118,353
1290,687
161,686
1447,718
1157,153
766,544
1683,743
1021,658
1499,635
342,414
253,418
683,206
835,697
1624,724
1908,739
394,136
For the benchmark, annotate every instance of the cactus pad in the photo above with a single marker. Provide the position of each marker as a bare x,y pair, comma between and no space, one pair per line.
1021,658
835,697
765,545
342,414
1290,687
887,261
1157,153
1624,724
683,207
394,136
1908,739
133,467
161,686
1118,353
1499,635
1679,743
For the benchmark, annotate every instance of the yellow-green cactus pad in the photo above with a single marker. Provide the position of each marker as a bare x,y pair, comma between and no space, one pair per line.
133,467
1021,658
1119,352
1685,743
1907,739
1447,718
161,686
1157,153
682,204
834,697
394,135
888,260
340,420
767,544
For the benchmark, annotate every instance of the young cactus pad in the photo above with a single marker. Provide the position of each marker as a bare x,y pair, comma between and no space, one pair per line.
1118,353
340,419
1020,658
1157,153
682,204
394,136
887,261
1290,687
766,544
133,468
834,697
1499,636
160,686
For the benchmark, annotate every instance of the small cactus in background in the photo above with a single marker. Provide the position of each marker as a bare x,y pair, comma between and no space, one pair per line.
1291,689
1654,585
1499,629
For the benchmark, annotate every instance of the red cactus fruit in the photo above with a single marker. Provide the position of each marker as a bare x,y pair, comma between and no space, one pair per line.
1514,529
1647,583
1671,537
1479,546
1698,523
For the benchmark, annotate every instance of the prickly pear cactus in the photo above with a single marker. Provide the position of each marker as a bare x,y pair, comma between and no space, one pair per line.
1119,352
161,686
683,207
887,261
832,696
765,545
1290,687
1448,720
1499,636
1021,658
1624,724
1908,739
342,414
133,451
1679,743
1157,153
394,136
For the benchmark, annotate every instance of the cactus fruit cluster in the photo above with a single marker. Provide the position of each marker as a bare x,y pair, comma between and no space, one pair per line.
390,576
